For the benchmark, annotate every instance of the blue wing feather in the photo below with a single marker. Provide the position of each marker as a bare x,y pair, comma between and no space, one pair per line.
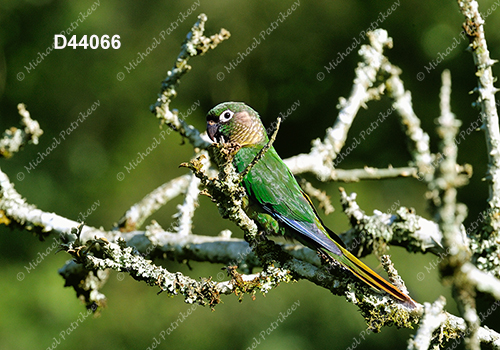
311,233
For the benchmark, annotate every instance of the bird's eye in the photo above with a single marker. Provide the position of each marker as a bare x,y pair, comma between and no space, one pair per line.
226,116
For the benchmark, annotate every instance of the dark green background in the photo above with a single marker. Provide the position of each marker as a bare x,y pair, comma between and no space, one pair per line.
278,72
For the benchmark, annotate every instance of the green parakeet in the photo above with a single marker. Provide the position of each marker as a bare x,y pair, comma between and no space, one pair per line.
272,186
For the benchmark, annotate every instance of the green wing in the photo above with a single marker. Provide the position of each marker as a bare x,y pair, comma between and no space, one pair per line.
273,186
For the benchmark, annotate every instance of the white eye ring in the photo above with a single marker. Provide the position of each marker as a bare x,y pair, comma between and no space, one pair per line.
226,116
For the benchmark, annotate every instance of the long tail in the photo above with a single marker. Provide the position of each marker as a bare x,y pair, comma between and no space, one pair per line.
316,235
367,275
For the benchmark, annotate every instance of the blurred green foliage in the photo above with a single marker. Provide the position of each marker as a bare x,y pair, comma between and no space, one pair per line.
282,69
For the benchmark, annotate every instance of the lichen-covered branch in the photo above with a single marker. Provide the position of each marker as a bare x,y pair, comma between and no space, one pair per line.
438,327
86,283
433,318
327,154
186,209
474,29
404,228
450,215
139,212
418,139
393,273
370,173
196,43
15,211
486,240
15,138
320,161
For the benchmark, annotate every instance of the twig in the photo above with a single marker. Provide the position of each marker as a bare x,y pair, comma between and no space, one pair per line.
418,139
487,237
16,211
445,97
404,228
369,173
474,29
186,210
443,188
14,139
450,215
195,44
262,151
139,212
394,277
366,75
320,160
119,257
433,318
321,196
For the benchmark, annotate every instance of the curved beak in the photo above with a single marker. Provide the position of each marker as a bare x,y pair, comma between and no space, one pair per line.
212,129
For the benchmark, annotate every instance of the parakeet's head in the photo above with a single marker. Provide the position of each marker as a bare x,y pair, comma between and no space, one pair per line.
235,122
